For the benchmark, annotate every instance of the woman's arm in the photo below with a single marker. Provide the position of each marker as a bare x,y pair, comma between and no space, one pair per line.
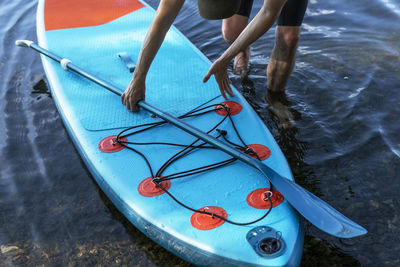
165,16
261,23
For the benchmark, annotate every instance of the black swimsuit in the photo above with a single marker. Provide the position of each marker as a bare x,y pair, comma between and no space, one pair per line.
291,15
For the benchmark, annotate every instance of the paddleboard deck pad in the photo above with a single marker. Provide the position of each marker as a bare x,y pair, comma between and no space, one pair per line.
196,201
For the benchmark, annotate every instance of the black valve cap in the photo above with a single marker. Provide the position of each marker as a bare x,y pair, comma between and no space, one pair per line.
269,245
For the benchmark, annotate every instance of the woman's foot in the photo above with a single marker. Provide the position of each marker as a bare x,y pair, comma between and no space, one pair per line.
278,105
241,63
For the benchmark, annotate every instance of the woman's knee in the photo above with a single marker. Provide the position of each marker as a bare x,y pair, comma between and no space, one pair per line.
287,37
233,26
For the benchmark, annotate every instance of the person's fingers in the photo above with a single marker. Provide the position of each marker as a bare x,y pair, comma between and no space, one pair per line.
207,76
223,93
136,107
227,88
222,81
133,104
221,88
128,104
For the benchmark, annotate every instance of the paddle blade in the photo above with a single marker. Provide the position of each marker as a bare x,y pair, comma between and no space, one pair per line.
315,210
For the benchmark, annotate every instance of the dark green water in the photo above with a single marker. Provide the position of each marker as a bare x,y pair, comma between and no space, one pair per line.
344,147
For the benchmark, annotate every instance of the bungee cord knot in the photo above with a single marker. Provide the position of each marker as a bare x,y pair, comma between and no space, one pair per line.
157,180
250,151
212,212
222,132
268,195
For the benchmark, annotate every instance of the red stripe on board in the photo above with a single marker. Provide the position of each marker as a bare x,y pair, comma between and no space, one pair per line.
65,14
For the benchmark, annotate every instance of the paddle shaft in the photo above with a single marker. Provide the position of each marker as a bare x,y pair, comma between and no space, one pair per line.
163,115
319,213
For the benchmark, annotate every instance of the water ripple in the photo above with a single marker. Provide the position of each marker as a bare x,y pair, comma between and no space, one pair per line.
391,6
395,148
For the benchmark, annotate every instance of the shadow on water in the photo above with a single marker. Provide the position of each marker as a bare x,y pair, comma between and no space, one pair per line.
41,88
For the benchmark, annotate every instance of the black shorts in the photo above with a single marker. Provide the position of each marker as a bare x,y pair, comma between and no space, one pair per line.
292,13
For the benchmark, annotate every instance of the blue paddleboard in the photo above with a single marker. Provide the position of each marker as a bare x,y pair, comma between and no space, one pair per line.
194,200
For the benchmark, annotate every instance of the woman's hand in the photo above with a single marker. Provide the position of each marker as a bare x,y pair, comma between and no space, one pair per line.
133,94
220,71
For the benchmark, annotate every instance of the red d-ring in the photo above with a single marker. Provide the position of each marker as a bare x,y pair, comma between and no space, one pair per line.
208,221
262,151
234,108
148,188
110,145
258,198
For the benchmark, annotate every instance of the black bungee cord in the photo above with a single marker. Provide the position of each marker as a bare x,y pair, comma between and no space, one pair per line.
158,178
